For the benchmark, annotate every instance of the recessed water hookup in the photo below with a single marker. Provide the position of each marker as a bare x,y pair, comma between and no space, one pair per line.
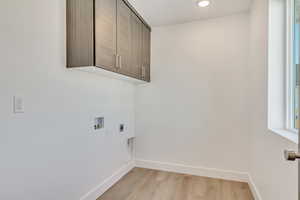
99,123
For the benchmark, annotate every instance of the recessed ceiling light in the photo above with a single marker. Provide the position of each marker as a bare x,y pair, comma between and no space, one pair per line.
203,3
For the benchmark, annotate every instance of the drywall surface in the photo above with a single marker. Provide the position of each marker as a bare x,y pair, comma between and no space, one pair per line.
51,151
194,111
274,177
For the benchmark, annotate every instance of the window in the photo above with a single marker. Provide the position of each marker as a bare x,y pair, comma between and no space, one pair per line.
283,68
293,54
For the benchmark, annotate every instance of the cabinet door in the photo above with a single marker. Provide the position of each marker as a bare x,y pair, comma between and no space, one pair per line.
124,49
136,41
106,34
146,49
80,33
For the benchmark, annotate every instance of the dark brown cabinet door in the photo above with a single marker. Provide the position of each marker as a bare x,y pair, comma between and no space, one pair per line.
106,34
124,43
80,33
146,55
136,44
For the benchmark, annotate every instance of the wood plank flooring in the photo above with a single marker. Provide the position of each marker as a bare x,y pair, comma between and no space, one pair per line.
145,184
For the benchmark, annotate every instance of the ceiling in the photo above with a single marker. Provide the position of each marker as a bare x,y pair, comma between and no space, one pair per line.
166,12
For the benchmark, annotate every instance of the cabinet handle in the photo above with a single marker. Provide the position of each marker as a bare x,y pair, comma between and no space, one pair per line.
120,62
117,60
143,72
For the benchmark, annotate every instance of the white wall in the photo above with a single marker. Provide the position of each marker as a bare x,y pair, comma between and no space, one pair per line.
51,151
205,107
194,111
274,177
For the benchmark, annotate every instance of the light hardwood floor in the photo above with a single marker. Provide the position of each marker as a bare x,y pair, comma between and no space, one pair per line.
145,184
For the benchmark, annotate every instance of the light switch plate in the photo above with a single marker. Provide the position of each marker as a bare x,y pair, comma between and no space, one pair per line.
18,104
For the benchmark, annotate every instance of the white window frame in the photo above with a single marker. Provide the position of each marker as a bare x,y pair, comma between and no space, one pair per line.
280,82
290,67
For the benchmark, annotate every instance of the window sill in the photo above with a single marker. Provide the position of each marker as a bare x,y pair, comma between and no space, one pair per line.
287,134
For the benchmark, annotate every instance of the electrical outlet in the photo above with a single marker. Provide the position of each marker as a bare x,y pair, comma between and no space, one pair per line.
122,128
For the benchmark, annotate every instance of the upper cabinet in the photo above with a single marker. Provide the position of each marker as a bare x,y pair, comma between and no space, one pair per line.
136,44
124,39
80,33
108,34
146,53
105,34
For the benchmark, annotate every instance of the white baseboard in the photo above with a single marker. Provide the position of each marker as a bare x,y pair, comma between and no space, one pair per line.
254,189
201,171
193,170
97,191
172,167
